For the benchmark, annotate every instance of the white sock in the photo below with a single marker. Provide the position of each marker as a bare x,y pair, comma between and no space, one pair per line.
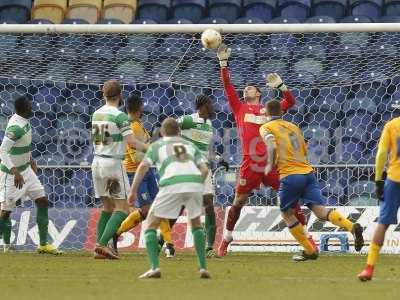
228,235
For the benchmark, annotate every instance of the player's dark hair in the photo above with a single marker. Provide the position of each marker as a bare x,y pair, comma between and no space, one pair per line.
202,100
170,127
22,105
274,108
133,103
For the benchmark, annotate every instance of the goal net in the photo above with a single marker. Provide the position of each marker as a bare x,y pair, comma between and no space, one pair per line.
346,86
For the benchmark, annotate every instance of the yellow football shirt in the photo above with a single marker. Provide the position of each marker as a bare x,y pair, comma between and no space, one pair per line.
389,143
291,148
133,157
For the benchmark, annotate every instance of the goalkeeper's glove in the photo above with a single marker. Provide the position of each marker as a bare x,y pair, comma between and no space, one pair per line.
274,81
223,54
379,189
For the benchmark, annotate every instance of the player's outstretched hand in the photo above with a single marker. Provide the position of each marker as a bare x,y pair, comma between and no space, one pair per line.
275,81
223,54
379,189
132,197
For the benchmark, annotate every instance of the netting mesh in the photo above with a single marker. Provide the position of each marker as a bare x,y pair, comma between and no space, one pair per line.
345,85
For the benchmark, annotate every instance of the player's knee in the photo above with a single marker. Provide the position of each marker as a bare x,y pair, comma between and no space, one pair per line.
42,202
195,223
240,200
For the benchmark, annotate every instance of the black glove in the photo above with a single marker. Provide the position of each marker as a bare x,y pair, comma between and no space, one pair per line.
379,189
224,164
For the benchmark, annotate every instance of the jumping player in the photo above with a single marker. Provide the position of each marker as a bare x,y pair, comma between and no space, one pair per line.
249,116
286,151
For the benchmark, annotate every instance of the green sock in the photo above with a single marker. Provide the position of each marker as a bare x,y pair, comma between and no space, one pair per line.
1,227
152,247
112,226
7,231
42,220
210,229
199,244
101,223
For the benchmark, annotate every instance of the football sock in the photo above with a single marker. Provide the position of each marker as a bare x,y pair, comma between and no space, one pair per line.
1,227
298,212
101,223
130,222
152,247
233,216
297,230
171,224
42,220
210,227
112,226
373,254
6,230
166,231
199,244
337,219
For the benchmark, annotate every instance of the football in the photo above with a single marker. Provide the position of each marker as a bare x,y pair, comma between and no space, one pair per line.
211,39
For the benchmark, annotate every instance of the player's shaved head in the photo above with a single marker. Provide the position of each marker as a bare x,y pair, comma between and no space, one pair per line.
23,106
273,108
170,127
133,103
112,90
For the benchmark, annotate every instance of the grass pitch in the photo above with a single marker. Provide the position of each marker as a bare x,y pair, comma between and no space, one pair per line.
237,276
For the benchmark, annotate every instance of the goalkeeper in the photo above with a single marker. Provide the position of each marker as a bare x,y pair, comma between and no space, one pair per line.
249,116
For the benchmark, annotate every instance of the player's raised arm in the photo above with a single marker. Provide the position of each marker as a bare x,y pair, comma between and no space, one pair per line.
381,159
223,54
274,81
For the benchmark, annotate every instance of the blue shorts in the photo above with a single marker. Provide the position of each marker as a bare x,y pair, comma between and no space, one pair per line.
390,204
294,188
148,189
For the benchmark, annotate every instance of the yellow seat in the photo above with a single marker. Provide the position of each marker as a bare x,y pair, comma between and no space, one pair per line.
88,10
123,10
53,10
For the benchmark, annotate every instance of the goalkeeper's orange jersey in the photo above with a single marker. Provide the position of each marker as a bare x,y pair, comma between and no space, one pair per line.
291,148
133,157
389,143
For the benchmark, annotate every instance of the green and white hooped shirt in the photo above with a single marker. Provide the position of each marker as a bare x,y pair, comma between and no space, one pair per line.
109,127
19,130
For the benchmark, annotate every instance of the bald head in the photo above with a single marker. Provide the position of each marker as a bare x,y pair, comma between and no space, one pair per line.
112,91
170,127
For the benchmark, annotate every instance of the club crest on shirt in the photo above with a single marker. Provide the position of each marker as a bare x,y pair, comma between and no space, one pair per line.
242,181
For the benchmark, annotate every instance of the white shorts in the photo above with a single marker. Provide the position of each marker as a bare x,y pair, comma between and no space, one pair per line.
9,194
208,185
109,178
168,206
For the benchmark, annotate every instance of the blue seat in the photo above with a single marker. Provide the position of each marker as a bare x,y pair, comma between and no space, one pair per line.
110,21
210,20
192,10
299,9
389,19
18,9
333,8
249,20
179,21
227,9
320,19
261,9
351,151
391,8
307,70
273,66
284,20
8,44
156,10
145,21
311,49
359,105
367,8
356,19
138,52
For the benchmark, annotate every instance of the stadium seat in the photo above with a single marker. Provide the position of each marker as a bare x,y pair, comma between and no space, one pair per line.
89,10
356,19
249,20
243,52
366,8
391,8
284,20
132,53
362,193
261,9
335,9
145,21
16,10
320,19
75,21
110,21
192,10
8,43
318,140
389,19
299,9
53,10
156,10
307,70
179,21
311,49
227,9
351,151
210,20
39,21
273,66
123,10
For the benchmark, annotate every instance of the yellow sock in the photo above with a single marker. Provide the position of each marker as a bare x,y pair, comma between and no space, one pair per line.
166,231
337,219
373,254
298,232
130,222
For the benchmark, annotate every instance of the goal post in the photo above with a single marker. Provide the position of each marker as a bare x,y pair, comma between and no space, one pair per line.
345,78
